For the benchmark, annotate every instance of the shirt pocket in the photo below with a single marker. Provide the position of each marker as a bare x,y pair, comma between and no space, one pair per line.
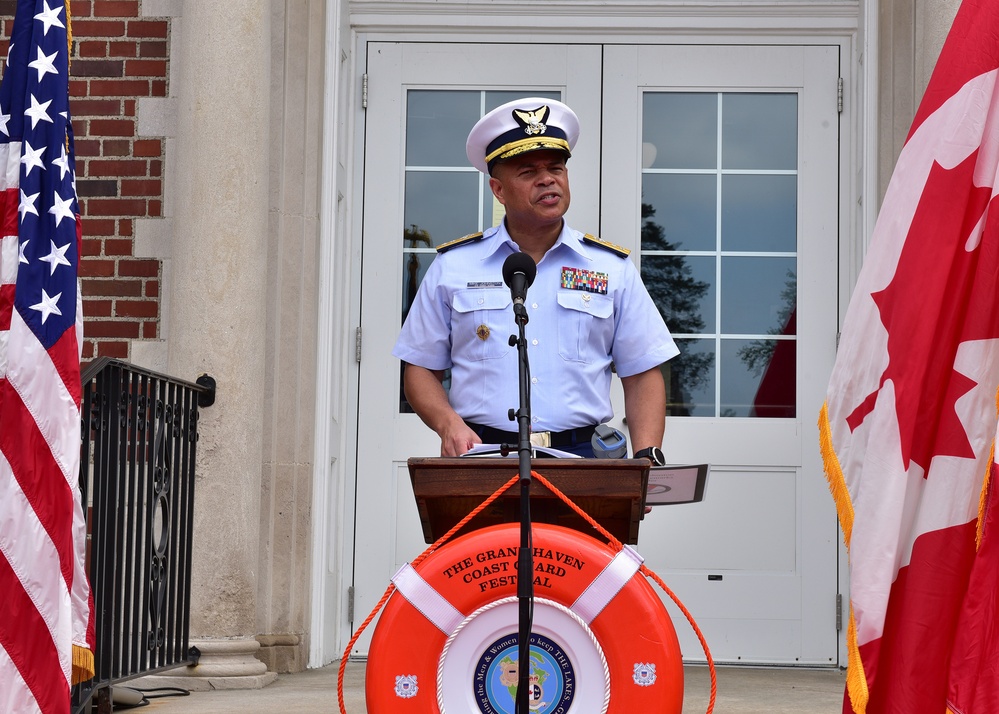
585,325
481,323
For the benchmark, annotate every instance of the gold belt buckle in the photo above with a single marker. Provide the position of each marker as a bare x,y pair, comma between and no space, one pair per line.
541,438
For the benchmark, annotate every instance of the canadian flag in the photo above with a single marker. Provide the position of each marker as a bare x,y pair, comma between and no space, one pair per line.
910,415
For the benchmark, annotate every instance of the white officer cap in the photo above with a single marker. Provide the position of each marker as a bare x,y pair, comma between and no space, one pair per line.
523,125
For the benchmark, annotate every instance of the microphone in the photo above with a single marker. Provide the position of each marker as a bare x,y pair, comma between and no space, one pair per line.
519,271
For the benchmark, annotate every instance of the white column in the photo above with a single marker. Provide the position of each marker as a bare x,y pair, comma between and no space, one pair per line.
217,307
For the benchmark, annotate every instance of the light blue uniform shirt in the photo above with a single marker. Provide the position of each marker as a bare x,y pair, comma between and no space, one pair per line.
586,308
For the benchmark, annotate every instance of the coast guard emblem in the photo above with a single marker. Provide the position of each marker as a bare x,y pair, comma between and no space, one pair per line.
645,674
405,686
533,121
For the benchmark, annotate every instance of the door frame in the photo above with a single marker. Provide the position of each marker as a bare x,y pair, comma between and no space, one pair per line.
349,27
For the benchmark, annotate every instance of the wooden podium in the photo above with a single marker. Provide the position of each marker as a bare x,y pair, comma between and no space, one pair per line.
611,491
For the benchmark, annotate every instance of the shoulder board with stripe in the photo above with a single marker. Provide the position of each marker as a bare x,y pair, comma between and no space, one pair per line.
464,240
612,247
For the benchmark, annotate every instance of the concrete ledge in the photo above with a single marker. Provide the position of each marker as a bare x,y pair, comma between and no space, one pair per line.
281,653
224,664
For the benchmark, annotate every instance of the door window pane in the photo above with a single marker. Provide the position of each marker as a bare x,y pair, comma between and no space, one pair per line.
433,118
426,191
680,130
679,212
760,131
758,295
719,244
690,378
757,378
759,213
683,287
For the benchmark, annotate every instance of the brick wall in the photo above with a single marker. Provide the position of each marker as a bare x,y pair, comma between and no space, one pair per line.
117,58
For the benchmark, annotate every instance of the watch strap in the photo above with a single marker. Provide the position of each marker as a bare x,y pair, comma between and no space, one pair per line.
653,454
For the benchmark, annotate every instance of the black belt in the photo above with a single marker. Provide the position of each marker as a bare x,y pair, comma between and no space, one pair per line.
555,439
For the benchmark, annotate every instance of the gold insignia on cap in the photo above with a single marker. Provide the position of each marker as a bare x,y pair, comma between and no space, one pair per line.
522,146
533,121
482,332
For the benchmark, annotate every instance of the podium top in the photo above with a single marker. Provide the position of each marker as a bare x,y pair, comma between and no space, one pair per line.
611,491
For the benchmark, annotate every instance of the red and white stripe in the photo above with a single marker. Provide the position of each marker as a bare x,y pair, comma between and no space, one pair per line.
42,578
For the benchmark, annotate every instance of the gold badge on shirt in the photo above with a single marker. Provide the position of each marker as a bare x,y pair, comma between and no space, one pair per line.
482,331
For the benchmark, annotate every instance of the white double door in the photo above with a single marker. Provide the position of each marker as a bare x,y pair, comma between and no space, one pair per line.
756,561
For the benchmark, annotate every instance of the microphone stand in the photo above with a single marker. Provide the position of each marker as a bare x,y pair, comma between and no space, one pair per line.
525,559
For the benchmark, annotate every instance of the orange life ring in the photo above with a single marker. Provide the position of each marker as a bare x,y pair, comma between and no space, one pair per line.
446,634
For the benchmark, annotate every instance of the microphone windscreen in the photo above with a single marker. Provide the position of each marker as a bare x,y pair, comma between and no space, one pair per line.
519,263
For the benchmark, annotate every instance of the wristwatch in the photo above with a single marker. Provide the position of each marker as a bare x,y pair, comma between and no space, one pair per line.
653,454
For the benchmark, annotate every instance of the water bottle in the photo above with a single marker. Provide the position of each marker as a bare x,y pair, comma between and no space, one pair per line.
608,443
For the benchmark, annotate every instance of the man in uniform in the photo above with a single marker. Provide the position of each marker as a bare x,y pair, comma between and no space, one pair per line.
588,309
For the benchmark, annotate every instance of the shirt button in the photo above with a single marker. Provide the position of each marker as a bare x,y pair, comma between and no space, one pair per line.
534,380
535,419
534,342
534,305
481,300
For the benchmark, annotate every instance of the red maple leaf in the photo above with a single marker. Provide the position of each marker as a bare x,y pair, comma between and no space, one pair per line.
941,295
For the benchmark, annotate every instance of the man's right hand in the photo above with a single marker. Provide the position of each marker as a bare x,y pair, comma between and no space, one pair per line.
457,438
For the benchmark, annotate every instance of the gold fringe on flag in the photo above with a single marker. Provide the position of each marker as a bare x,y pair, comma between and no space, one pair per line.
83,664
983,499
834,475
856,678
69,29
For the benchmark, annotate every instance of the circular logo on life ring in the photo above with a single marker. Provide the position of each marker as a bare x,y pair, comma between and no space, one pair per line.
552,677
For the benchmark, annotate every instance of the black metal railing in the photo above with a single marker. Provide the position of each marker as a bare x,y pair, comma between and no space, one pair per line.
137,474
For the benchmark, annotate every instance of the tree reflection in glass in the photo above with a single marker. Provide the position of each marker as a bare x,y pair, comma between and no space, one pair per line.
679,296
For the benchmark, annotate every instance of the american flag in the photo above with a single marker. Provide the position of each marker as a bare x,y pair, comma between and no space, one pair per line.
46,629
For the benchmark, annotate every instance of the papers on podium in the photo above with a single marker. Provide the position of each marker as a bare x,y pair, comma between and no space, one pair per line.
506,450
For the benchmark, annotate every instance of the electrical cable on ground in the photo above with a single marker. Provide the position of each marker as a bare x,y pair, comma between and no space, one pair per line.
132,698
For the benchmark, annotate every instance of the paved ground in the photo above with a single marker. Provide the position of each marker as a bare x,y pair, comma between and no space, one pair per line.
741,690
